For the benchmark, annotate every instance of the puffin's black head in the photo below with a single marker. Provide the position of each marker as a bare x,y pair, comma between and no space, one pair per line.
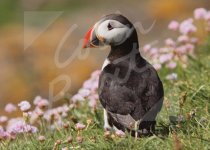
113,30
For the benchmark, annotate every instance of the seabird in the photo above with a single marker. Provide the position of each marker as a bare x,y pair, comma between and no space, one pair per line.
130,89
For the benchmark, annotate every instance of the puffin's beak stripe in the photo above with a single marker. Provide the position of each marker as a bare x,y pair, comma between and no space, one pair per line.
91,40
87,38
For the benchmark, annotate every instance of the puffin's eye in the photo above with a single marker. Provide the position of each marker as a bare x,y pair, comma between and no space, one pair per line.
109,27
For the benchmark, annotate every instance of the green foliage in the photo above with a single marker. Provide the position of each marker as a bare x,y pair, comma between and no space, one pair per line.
8,10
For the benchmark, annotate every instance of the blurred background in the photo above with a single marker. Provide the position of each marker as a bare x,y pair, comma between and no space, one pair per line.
31,30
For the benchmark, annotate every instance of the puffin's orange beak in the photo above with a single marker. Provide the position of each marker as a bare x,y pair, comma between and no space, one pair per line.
90,39
87,39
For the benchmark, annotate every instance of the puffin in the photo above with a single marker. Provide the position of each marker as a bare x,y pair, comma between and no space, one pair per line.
129,89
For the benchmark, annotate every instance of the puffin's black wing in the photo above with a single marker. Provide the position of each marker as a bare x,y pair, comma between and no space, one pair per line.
130,95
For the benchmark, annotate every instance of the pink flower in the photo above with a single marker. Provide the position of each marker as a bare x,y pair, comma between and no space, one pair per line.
24,106
84,92
41,138
146,48
64,115
59,110
173,25
181,49
4,134
40,102
200,13
153,51
183,38
37,99
194,40
92,103
38,112
10,108
80,126
172,76
87,84
171,65
165,57
170,42
189,47
49,115
187,27
207,17
93,100
65,108
77,97
44,103
95,74
120,133
21,127
157,66
94,85
3,119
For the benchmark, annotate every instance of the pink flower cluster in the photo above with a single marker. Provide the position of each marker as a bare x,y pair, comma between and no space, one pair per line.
89,90
40,102
16,126
202,13
56,115
10,127
5,135
177,50
32,115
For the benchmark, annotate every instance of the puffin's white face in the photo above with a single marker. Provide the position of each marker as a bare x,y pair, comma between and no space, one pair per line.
112,32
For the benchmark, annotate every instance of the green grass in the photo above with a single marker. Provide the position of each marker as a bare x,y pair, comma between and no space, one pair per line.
190,93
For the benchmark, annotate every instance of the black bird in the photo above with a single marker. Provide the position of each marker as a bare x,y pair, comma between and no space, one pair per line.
129,87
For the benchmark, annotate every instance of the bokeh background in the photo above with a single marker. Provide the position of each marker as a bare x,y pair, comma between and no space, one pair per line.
26,72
